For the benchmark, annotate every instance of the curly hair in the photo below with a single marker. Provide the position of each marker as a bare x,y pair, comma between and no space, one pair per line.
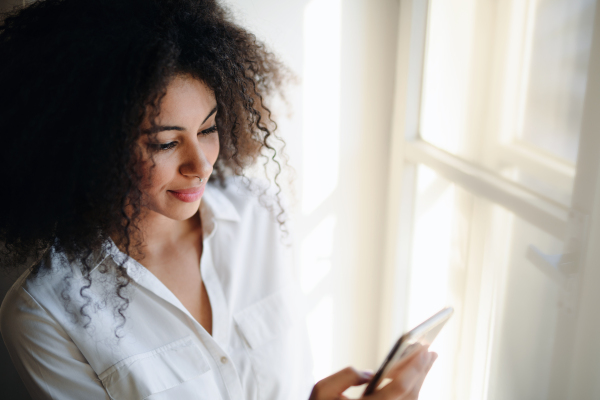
79,77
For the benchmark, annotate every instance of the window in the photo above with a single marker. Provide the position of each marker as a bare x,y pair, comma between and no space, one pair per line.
493,204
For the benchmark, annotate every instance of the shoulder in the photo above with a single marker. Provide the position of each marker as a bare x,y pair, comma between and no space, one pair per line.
14,304
52,294
20,292
21,309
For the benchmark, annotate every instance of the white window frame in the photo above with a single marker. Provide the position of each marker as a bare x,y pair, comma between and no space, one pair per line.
578,363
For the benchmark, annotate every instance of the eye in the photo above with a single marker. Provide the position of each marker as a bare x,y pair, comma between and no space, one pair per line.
162,146
209,130
167,146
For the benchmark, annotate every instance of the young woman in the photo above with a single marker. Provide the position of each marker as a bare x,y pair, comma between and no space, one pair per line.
158,270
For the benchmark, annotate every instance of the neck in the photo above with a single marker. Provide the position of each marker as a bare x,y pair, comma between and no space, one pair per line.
155,232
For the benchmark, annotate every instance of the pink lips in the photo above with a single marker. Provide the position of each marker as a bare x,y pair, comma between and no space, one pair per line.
188,195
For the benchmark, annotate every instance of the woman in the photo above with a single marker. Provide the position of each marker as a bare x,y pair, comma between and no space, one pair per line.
149,282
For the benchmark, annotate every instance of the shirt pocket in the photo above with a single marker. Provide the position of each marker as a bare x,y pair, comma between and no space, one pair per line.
142,375
267,328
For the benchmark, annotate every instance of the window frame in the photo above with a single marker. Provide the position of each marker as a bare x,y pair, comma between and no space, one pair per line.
577,224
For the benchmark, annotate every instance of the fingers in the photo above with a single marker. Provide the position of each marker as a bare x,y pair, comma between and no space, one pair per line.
419,384
416,352
333,386
408,378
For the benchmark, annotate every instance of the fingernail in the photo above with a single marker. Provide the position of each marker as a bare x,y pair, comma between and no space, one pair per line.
367,374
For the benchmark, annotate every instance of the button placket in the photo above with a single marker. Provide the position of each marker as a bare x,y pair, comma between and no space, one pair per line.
216,342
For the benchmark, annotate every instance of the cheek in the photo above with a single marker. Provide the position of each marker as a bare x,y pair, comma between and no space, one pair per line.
156,176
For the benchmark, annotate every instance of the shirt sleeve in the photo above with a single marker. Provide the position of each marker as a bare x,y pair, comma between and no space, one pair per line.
47,360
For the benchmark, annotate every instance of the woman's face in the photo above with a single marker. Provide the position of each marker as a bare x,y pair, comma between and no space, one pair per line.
184,149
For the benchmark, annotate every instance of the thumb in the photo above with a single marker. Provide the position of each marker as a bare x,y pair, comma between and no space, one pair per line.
334,385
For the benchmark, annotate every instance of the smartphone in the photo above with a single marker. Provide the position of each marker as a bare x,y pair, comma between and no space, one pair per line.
422,335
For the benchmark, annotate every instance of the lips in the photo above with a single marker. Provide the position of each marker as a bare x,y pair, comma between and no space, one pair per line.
188,195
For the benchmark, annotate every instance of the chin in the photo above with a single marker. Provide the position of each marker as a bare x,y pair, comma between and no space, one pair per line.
186,212
177,212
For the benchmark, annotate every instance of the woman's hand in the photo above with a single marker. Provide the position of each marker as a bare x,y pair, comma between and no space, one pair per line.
407,379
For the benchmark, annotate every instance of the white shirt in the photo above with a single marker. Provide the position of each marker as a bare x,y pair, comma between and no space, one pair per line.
258,349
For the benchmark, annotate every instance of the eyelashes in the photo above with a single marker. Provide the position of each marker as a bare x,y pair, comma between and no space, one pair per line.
165,146
170,145
209,130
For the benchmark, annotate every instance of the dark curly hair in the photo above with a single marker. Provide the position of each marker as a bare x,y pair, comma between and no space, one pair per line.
78,77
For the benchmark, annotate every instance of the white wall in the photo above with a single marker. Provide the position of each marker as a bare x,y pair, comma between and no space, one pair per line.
345,302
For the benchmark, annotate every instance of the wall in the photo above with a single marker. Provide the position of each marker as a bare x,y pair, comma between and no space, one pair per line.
345,301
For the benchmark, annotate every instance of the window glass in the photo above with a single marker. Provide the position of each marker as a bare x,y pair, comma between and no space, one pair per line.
437,271
504,84
477,256
555,75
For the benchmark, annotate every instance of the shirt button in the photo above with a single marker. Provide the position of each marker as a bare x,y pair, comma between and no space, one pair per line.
224,360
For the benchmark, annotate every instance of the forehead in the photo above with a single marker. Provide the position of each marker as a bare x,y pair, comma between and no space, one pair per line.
186,100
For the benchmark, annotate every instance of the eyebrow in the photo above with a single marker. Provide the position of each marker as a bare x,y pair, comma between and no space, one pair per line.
161,128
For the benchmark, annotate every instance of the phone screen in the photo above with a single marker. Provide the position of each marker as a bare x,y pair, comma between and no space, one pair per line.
422,335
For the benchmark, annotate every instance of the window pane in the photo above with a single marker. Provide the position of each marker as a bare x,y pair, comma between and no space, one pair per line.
556,76
476,256
527,317
504,84
437,271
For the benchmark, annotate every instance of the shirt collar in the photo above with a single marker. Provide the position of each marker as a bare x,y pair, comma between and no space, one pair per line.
220,206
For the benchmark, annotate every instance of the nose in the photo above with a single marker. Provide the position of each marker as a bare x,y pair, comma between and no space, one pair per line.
194,163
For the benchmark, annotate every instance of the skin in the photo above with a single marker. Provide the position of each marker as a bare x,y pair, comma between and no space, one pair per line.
406,380
172,229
